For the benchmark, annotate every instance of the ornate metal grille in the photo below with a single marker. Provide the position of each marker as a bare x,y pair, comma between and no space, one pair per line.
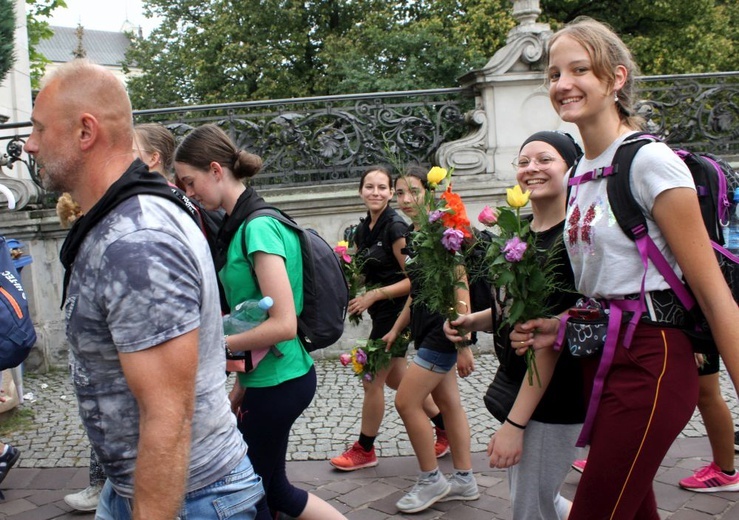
695,111
330,139
333,138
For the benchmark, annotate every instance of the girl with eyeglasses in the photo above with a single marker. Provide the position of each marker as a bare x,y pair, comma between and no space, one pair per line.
539,424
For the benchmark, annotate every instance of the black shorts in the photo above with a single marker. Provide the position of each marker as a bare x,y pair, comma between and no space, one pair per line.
711,365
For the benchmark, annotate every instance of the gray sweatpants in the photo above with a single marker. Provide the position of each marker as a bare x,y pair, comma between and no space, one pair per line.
548,451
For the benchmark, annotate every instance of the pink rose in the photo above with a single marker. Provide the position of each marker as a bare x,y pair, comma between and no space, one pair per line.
345,358
487,217
342,252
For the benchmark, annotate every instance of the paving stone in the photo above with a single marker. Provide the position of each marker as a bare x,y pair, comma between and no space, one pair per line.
55,456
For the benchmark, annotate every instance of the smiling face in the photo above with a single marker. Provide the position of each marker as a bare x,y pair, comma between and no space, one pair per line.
541,170
376,191
410,192
576,93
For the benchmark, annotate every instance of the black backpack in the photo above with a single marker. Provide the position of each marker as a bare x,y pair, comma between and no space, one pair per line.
17,335
714,180
325,289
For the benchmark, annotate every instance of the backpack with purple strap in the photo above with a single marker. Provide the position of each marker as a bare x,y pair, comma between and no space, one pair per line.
594,326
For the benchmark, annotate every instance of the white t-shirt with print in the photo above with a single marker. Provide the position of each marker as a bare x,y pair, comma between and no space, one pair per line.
605,261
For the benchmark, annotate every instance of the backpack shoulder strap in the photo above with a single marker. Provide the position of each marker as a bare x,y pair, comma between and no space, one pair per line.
631,219
271,211
620,197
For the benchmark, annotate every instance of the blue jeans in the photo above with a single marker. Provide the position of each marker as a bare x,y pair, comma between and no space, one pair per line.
439,362
235,496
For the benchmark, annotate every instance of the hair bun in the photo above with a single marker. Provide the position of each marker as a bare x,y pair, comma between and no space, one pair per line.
246,165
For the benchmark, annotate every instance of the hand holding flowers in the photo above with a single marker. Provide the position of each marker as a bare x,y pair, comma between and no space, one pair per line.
521,273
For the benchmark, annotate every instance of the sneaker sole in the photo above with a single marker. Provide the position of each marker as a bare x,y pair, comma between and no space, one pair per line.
427,504
446,451
715,489
78,508
354,468
449,498
11,462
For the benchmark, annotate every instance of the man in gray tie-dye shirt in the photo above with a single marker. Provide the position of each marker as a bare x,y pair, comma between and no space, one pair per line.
143,315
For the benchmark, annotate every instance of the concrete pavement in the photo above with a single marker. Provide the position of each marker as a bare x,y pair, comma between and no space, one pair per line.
55,456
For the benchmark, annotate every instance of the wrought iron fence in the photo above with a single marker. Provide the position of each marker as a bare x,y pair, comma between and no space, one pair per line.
695,111
330,139
333,138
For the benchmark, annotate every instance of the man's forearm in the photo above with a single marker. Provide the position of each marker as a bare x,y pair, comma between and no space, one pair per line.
161,466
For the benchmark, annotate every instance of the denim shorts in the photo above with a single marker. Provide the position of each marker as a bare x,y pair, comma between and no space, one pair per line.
439,362
235,496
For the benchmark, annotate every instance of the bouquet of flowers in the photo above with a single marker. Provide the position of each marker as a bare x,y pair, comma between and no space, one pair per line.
522,274
442,230
353,271
369,357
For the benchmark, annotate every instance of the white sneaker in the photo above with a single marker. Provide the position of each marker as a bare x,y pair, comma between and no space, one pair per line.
85,500
461,490
424,493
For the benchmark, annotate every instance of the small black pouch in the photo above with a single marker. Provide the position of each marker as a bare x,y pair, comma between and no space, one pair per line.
586,329
501,394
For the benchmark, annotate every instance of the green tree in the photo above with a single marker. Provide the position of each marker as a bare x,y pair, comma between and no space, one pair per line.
233,50
37,15
415,46
7,30
665,36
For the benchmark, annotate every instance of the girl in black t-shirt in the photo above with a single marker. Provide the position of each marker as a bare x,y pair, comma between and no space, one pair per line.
540,424
379,239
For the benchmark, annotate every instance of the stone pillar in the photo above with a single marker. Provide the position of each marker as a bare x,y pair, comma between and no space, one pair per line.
512,102
15,107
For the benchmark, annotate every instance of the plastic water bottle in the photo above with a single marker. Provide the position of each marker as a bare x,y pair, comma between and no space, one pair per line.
246,315
732,242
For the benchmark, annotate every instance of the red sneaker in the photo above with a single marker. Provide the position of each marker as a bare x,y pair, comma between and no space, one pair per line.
579,465
355,458
441,447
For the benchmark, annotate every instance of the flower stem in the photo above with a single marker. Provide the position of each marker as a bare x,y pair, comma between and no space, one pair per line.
531,368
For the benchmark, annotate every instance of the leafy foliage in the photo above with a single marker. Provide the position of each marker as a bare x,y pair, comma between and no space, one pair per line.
208,51
215,52
437,243
37,14
665,36
7,30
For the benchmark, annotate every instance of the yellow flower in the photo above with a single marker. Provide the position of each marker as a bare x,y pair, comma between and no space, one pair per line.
357,367
343,243
436,175
516,198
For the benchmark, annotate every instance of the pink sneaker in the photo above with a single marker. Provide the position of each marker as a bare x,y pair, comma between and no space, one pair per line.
710,479
355,458
441,446
579,465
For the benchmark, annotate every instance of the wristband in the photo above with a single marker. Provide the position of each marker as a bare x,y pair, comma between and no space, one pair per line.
228,350
514,424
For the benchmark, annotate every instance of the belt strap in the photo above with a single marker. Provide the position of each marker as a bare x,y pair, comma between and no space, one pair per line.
617,308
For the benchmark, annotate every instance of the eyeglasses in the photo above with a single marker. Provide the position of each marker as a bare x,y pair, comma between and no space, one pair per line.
543,162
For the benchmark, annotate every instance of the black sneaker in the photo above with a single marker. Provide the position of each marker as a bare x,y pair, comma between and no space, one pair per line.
736,442
7,461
